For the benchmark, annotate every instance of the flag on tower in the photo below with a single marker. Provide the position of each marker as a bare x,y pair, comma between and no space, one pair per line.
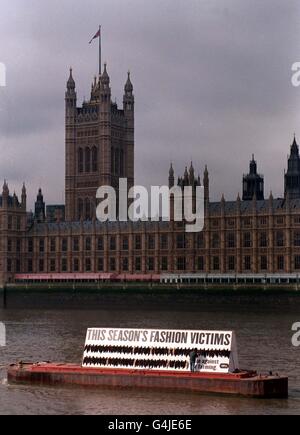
95,37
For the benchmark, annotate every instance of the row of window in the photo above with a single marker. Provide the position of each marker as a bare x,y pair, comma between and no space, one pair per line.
247,222
88,160
231,265
181,264
112,266
181,243
247,240
112,244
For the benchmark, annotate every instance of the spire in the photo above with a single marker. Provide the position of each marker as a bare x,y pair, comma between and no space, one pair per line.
171,177
128,86
71,82
105,80
186,176
15,200
40,212
294,147
271,201
292,176
192,174
5,190
128,99
253,166
238,203
206,184
24,196
223,203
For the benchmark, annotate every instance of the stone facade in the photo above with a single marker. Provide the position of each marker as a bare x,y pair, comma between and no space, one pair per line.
251,236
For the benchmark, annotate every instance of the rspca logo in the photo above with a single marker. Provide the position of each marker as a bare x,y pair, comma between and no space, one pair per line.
2,75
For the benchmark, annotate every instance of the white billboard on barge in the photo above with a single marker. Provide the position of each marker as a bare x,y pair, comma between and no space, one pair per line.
150,349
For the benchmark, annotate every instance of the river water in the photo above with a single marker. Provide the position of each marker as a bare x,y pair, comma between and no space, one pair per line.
53,328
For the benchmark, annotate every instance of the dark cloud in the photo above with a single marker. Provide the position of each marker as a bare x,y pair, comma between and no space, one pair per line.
212,84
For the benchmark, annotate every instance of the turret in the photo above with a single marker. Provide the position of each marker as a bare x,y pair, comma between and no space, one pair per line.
128,99
223,203
253,183
70,143
292,177
206,185
171,177
186,177
105,83
15,200
70,98
105,128
40,212
238,204
71,92
128,107
271,199
5,194
24,197
191,175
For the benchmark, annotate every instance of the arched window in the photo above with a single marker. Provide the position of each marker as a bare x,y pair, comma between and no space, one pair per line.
80,160
87,160
94,159
87,209
79,209
112,160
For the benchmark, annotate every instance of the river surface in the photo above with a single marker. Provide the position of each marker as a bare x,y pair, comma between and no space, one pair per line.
41,328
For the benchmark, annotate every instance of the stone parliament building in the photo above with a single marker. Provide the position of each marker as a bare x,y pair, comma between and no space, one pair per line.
251,235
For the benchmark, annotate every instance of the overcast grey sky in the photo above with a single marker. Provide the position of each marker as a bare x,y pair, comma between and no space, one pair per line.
212,82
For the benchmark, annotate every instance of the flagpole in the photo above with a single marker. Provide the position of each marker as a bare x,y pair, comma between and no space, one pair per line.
100,54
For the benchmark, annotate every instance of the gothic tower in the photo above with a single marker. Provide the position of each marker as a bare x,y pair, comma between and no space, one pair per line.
292,176
128,107
70,151
99,145
253,183
40,208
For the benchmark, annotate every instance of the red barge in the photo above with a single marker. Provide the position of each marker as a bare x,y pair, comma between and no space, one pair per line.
185,361
247,384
